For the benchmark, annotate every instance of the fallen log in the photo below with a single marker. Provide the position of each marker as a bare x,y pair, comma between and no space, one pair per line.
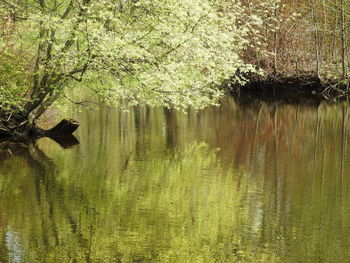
18,130
64,128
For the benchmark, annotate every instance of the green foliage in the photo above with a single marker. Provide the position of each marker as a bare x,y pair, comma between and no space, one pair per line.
172,53
12,81
16,72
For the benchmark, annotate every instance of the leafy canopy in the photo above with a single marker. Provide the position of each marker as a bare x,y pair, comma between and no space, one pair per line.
173,53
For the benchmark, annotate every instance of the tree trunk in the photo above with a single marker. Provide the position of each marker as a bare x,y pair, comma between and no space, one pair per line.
275,36
316,38
343,40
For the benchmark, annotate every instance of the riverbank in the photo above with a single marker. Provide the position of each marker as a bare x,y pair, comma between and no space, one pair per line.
293,88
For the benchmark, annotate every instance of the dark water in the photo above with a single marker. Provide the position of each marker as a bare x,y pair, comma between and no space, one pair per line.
255,183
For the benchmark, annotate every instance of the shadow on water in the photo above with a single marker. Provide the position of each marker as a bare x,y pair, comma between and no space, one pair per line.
289,97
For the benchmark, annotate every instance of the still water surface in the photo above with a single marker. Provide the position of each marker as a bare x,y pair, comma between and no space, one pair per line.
253,183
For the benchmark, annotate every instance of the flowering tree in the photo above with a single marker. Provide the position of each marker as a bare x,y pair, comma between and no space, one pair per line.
173,53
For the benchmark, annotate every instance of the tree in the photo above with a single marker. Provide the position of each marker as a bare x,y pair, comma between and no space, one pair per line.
304,39
173,53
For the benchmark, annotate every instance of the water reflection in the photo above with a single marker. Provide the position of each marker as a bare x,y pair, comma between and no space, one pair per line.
254,183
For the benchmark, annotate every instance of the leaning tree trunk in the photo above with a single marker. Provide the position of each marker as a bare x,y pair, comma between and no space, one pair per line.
19,124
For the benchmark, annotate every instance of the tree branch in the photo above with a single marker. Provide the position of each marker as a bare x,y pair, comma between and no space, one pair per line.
68,10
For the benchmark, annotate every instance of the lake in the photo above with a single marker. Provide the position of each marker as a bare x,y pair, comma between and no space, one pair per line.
243,182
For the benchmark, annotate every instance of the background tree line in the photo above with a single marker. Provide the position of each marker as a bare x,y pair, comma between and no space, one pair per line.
301,36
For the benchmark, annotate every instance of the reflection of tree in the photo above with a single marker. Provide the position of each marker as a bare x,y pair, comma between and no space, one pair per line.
171,127
38,190
165,210
273,193
296,157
